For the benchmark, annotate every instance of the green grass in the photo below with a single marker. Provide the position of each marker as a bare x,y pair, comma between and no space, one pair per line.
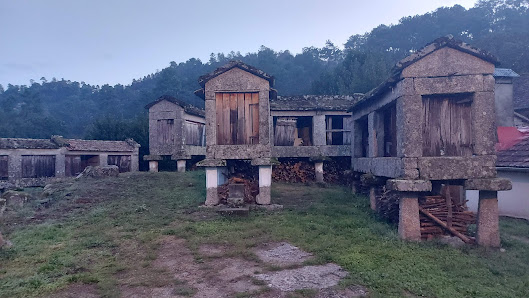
96,230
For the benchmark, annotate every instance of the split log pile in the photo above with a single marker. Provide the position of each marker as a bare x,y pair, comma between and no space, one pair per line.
441,216
387,203
338,171
293,171
251,189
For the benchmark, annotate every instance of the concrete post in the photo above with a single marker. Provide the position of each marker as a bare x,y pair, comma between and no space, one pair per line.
409,222
265,183
181,165
153,166
60,163
103,159
372,198
212,181
318,167
319,134
488,233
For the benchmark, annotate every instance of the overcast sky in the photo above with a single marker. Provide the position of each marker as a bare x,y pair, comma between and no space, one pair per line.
110,41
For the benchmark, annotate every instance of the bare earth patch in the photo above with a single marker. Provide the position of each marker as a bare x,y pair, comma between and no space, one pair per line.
77,290
282,254
307,277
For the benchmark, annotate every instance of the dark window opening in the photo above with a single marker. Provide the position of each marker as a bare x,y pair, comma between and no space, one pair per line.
338,130
390,131
293,131
4,170
75,164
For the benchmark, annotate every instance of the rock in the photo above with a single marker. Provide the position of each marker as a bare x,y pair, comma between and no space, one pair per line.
4,243
15,199
235,202
99,172
283,254
452,241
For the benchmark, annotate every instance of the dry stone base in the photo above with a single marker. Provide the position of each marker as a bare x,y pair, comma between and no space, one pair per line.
99,172
308,277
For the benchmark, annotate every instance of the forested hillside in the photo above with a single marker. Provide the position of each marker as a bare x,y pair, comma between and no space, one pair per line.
76,109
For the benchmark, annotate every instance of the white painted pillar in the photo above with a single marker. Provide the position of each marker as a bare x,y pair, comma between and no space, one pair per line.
265,183
181,165
153,166
318,167
103,160
212,180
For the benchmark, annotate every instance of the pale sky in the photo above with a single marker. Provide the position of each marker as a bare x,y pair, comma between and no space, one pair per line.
111,41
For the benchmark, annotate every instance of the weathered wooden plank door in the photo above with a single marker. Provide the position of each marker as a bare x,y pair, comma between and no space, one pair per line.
284,131
447,126
390,131
4,170
122,161
194,133
237,118
73,165
165,130
38,166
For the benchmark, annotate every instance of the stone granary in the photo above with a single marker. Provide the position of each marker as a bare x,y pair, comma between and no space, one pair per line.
314,126
31,162
433,122
237,124
176,130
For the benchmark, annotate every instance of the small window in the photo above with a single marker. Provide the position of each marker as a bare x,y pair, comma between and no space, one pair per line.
390,131
338,130
293,131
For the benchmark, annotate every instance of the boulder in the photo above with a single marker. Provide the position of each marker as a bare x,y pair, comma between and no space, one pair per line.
15,199
99,172
4,243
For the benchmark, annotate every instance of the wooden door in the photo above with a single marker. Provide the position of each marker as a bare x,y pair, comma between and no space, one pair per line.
284,133
237,118
38,166
165,131
447,126
72,165
194,133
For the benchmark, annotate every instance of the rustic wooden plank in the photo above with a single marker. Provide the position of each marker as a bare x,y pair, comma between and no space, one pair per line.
4,167
255,118
241,135
247,117
285,131
226,119
219,118
442,224
233,118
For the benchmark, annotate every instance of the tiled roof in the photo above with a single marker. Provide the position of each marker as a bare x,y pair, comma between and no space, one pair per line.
516,156
17,143
100,146
190,109
313,102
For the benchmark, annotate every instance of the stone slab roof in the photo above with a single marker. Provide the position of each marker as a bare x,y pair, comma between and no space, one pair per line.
445,41
202,80
504,72
190,109
101,146
521,92
17,143
516,156
313,102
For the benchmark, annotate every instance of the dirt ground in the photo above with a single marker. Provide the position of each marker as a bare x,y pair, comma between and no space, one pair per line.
277,272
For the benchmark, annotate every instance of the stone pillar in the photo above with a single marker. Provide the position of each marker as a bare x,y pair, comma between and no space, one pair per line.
488,220
181,165
319,133
318,167
212,181
265,183
60,160
372,198
103,159
409,223
153,166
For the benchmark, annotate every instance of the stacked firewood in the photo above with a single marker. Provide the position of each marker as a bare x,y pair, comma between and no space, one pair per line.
293,171
251,189
441,216
387,203
338,171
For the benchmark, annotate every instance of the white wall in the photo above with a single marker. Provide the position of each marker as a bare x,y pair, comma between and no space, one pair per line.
514,202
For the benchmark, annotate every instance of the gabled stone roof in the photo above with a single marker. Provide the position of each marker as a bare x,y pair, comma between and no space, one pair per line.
445,41
202,80
18,143
101,146
313,102
190,109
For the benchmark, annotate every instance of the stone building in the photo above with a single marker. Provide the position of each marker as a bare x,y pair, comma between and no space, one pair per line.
31,162
237,124
317,127
176,131
433,122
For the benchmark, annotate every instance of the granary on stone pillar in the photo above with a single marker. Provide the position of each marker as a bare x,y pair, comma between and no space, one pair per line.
237,124
432,123
176,132
317,127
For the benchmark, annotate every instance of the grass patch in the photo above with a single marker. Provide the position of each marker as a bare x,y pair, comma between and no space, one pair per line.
99,232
